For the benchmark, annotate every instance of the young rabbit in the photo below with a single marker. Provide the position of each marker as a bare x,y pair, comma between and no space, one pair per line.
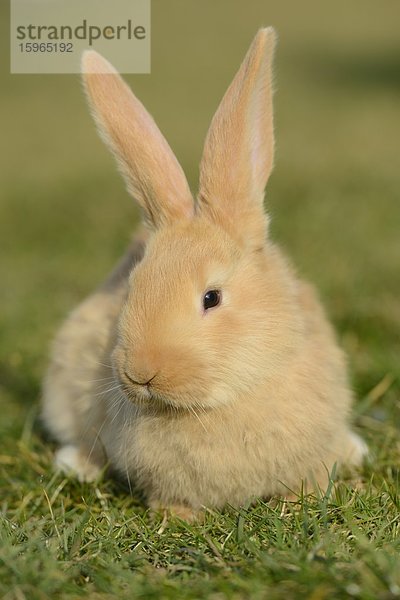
203,369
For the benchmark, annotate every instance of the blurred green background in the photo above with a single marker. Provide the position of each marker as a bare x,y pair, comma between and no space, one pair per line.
334,195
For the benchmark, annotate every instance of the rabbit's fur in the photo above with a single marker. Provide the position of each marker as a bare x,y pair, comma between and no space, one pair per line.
200,407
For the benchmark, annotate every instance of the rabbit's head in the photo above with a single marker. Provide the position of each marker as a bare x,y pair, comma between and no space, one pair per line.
211,311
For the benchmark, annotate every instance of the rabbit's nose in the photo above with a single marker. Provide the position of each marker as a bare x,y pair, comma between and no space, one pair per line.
136,380
143,363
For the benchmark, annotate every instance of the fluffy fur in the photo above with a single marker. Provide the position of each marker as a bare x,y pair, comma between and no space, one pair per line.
200,408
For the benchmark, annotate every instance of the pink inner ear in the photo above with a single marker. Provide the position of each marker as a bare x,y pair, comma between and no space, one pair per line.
260,133
238,152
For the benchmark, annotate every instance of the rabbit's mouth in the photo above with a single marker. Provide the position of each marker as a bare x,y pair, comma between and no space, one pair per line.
149,396
142,393
136,389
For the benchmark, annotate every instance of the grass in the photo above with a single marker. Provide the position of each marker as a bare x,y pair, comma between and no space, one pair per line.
65,218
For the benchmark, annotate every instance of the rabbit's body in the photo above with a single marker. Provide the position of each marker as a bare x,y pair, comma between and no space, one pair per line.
201,404
74,398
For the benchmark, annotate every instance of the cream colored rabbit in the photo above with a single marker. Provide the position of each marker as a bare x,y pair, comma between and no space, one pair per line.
203,370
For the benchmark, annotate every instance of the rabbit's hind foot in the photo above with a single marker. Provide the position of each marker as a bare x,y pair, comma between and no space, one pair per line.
72,461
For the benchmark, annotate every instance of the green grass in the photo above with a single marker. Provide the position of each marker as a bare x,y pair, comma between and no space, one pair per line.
334,199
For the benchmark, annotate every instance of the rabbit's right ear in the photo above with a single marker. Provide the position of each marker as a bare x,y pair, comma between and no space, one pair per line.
239,148
152,173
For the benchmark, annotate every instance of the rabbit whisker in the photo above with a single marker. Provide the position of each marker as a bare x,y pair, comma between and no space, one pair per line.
97,436
106,379
107,391
193,411
125,438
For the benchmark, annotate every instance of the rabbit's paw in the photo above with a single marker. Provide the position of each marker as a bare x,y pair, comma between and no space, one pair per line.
357,450
185,513
71,460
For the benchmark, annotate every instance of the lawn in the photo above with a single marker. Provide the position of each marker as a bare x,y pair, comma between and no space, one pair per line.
334,199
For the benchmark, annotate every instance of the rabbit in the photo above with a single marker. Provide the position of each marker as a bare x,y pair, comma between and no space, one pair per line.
203,371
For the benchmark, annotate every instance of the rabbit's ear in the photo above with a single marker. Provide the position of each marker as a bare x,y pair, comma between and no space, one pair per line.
152,173
238,152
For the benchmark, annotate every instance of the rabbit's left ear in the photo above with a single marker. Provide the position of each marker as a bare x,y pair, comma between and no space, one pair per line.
152,173
239,148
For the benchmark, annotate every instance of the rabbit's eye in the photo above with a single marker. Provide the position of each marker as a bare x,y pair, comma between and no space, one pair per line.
211,298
